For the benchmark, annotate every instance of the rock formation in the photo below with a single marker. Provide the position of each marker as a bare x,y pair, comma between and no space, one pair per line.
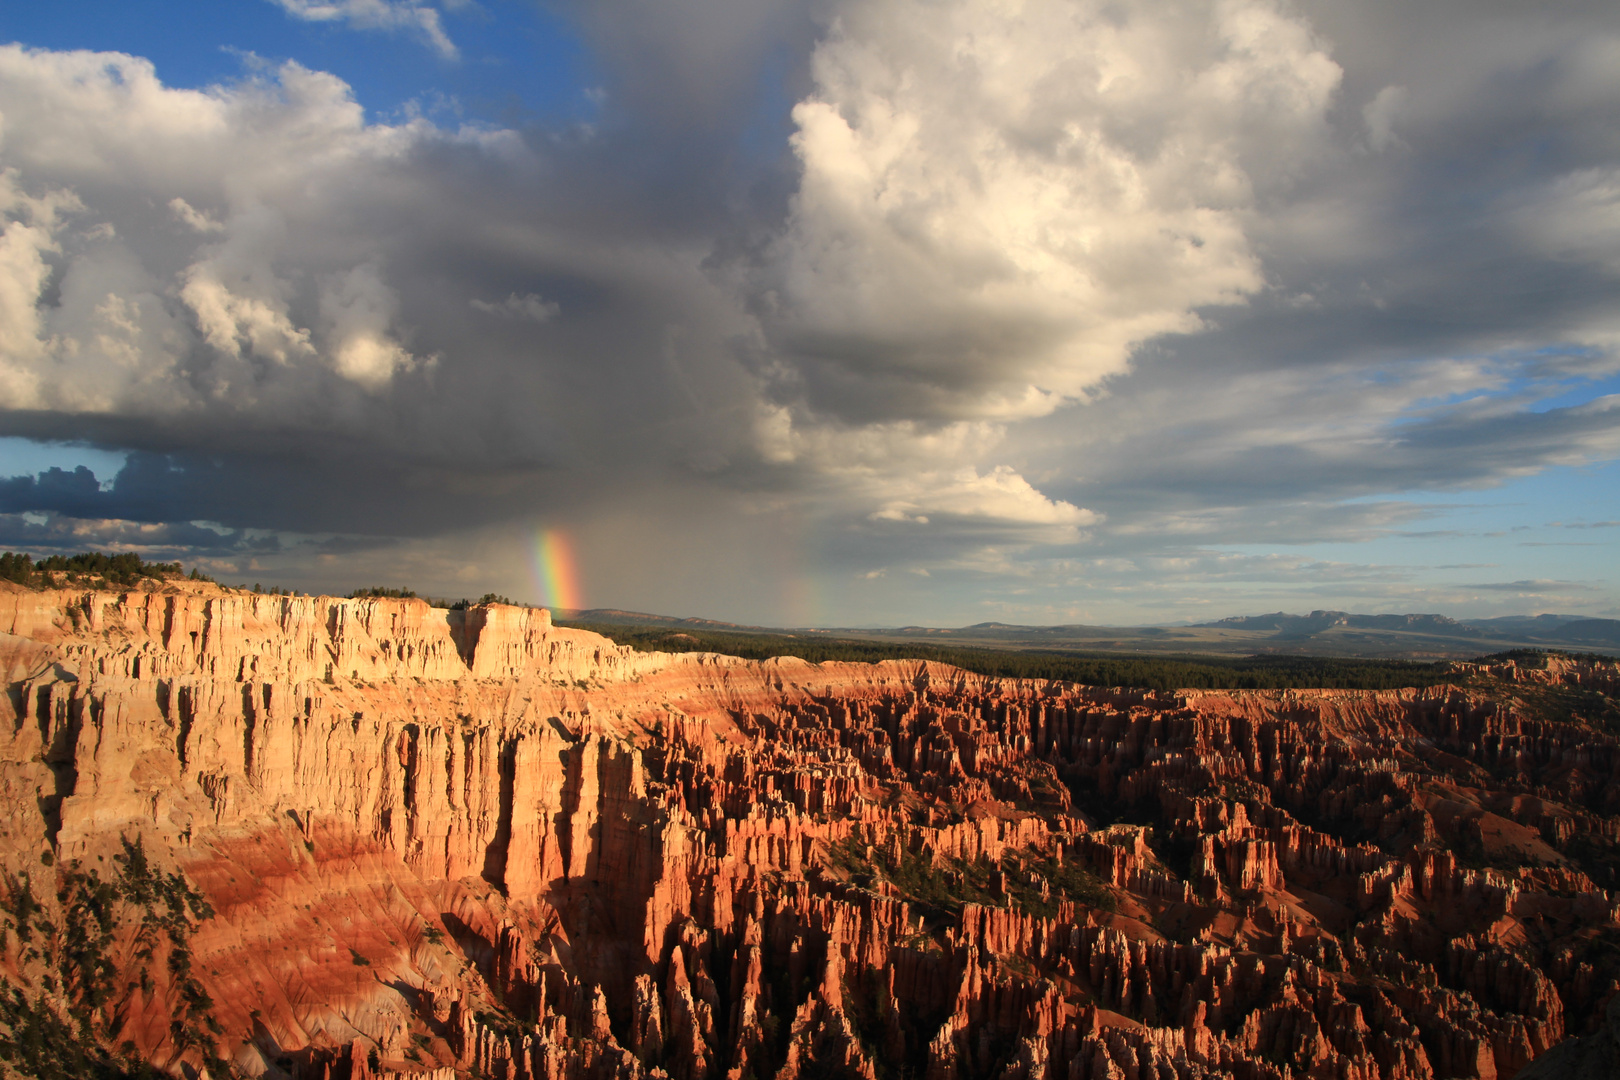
317,838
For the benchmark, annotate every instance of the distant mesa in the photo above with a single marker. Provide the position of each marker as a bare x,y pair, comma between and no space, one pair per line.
1321,632
1588,632
1416,636
1318,621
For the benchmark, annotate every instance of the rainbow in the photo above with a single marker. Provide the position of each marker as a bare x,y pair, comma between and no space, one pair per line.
556,572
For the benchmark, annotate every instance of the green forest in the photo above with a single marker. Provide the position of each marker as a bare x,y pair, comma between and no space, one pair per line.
125,568
1089,669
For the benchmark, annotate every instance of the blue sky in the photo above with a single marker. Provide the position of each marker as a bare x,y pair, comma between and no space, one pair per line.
515,62
845,312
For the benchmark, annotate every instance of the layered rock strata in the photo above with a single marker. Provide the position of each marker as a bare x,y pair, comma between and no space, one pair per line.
309,837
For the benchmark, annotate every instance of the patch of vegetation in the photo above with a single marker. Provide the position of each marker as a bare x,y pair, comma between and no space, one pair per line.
1537,658
1564,704
1062,881
1034,882
168,904
488,598
381,592
501,1021
38,1043
1087,669
81,970
89,918
147,888
17,567
125,569
21,907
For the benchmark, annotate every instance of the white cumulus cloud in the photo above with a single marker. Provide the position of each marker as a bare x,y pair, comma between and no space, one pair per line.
408,15
359,309
255,307
1000,496
527,306
189,215
999,201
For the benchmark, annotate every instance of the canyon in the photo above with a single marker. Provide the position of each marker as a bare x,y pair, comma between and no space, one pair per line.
308,837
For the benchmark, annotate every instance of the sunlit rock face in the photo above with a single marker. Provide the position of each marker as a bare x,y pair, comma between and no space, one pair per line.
312,837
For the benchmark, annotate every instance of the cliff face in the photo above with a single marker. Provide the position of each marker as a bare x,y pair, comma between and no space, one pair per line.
346,838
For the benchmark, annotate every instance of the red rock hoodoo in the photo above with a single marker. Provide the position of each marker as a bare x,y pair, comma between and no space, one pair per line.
308,837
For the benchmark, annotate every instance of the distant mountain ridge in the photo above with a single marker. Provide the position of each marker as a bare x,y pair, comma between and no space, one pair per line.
1317,621
1423,635
1570,629
1584,631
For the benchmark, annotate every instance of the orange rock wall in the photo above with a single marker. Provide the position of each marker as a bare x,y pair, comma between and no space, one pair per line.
445,843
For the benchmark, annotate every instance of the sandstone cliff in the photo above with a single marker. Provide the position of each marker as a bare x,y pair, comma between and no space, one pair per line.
312,837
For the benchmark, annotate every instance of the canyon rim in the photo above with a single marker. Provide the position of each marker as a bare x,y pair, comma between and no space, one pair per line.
290,836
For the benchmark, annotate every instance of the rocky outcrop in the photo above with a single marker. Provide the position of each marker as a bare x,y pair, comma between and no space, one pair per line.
310,837
1595,1057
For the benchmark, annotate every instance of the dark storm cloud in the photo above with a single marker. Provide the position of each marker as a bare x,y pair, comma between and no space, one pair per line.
296,494
703,66
311,319
62,534
252,493
56,490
